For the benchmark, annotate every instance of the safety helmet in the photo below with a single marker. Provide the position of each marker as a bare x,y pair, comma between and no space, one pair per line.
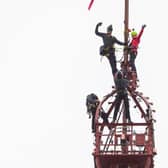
110,28
133,33
119,75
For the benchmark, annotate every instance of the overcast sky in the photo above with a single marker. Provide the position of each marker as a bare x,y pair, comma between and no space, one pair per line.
49,62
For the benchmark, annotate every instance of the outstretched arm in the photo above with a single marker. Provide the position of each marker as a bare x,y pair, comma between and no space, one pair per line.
119,42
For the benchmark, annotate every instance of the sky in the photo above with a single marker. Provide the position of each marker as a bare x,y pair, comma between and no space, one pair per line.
49,62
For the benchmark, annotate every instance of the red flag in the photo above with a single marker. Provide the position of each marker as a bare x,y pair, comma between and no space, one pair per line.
90,5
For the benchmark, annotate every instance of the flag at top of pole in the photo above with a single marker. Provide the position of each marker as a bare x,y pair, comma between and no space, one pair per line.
90,4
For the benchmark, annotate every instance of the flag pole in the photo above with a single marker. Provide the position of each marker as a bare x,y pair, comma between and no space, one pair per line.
126,27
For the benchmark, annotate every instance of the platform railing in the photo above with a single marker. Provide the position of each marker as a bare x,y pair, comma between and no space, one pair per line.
136,139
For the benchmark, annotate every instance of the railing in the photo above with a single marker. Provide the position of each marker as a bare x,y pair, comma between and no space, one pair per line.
125,138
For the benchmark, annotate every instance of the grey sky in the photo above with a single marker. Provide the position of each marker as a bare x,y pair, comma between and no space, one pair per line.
49,62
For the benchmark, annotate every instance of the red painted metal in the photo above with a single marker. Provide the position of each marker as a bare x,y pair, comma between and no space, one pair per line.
90,4
122,144
125,145
133,148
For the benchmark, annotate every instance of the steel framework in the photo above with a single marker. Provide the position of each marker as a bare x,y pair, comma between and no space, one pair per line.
122,144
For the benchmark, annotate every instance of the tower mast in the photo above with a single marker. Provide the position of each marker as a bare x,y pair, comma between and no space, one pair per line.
126,25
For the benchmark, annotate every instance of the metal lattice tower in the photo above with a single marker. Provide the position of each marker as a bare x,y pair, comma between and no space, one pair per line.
122,144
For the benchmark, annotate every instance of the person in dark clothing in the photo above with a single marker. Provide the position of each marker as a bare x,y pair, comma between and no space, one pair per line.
92,103
133,48
108,49
121,85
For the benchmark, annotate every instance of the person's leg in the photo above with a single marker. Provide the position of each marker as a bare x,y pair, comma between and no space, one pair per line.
104,116
117,106
112,61
93,121
126,103
132,61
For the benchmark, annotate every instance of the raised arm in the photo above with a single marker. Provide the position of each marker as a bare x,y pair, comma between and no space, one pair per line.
141,32
97,31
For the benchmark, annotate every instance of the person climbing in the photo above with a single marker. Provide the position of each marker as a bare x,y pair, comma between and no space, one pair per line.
92,102
121,85
133,47
108,49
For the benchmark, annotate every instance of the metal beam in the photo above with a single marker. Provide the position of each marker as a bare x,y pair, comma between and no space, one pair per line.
126,26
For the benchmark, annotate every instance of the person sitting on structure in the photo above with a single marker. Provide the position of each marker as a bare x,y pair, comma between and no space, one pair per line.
121,86
108,49
92,102
133,46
